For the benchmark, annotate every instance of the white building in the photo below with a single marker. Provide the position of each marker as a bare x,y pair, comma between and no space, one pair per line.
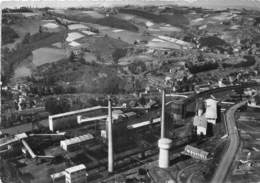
70,144
196,153
200,122
76,174
58,177
211,110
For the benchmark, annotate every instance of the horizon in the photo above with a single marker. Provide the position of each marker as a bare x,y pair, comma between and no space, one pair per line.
221,4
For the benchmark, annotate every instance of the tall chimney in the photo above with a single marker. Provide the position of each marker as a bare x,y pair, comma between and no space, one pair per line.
110,138
163,115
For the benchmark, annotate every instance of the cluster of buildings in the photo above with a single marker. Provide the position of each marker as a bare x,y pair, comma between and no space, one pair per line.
201,119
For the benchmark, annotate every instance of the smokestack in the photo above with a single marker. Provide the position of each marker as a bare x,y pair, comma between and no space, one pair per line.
110,138
163,115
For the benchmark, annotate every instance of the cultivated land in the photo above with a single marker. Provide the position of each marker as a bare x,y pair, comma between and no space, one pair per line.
60,60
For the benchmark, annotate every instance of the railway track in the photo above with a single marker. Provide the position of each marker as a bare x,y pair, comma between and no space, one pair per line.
226,161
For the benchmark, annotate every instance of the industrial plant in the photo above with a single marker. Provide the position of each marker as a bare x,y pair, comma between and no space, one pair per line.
119,93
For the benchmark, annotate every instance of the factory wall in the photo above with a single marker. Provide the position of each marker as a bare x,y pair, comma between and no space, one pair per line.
63,123
71,120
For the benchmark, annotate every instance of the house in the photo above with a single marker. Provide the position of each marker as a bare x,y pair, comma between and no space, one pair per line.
200,122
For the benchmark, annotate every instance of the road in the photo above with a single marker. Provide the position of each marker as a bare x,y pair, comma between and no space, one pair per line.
226,161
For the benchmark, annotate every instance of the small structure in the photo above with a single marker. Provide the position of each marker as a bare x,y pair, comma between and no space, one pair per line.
195,152
211,110
164,144
70,144
76,174
58,177
200,122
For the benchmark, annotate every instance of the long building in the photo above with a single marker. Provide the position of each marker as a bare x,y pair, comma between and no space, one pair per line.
68,119
196,152
70,144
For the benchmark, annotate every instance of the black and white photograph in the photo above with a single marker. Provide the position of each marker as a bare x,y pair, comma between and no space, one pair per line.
130,91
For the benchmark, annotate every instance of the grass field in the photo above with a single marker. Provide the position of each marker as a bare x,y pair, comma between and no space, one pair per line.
22,72
47,55
111,21
178,20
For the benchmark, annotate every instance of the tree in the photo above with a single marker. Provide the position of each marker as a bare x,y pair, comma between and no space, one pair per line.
26,38
55,106
51,105
118,53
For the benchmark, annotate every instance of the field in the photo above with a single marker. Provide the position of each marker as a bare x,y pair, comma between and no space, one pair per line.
22,72
102,47
111,21
47,55
94,14
124,35
23,27
73,36
155,43
77,26
178,20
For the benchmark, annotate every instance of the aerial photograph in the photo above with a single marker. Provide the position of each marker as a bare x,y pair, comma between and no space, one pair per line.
130,91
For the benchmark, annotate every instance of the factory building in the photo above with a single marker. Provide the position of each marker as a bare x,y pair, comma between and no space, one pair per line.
69,119
200,122
211,110
196,152
76,174
120,122
73,143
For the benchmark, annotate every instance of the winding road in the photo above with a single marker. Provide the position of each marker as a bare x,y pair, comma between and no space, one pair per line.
226,161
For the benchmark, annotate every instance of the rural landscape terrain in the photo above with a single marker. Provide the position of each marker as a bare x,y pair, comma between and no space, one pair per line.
145,73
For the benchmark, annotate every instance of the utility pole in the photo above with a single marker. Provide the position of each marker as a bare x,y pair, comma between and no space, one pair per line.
110,138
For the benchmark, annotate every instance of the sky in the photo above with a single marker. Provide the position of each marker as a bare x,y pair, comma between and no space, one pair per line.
218,4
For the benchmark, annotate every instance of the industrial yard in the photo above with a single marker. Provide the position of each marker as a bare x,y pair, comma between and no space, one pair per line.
154,94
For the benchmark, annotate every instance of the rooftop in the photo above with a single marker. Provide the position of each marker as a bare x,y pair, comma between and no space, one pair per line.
200,121
77,139
75,168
